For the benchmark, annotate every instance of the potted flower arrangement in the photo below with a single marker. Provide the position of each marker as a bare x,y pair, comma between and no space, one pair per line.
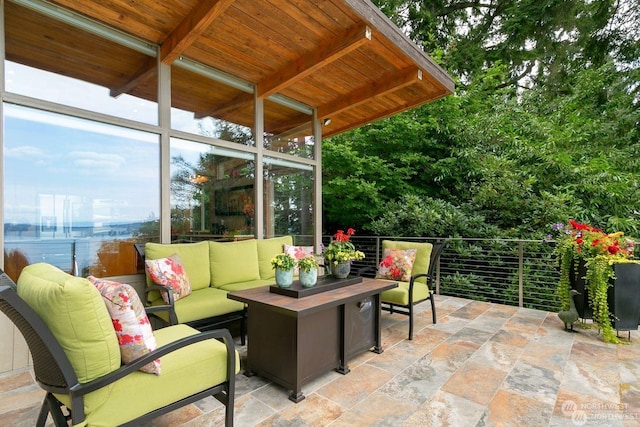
308,267
587,253
341,252
283,264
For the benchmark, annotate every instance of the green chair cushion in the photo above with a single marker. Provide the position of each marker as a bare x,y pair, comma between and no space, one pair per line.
201,304
423,255
193,256
267,249
184,372
233,262
75,313
400,295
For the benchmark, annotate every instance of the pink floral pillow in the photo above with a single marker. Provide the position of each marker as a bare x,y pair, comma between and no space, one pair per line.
169,272
396,264
298,252
130,321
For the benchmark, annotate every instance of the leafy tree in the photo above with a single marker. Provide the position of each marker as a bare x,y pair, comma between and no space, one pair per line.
543,126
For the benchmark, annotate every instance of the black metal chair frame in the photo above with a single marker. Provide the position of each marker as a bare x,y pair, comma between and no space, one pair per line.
54,373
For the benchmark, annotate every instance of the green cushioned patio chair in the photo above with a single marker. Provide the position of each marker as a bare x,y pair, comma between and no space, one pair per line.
85,382
420,287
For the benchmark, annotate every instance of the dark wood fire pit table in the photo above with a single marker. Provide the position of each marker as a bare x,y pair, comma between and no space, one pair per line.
294,339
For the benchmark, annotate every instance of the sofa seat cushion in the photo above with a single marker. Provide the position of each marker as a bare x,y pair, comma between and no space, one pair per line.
267,249
423,255
233,262
75,313
400,295
201,304
247,285
184,372
193,256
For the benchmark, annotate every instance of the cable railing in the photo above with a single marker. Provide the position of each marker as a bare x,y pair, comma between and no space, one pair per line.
515,272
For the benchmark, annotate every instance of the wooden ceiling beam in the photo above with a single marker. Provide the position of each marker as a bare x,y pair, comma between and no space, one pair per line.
191,27
437,94
145,72
390,83
307,64
219,110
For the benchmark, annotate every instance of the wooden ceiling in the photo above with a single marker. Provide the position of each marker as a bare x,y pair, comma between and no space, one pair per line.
343,57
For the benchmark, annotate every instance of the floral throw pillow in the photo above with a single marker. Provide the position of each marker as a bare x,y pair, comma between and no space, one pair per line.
396,264
130,322
169,272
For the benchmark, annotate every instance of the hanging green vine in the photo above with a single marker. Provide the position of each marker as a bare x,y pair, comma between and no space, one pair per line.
599,273
599,252
565,251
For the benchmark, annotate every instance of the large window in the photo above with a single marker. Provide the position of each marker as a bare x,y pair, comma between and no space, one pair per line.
284,135
41,84
212,192
288,199
213,102
77,193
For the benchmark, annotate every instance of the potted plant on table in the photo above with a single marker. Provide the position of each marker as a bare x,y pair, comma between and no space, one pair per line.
283,264
308,267
589,259
341,252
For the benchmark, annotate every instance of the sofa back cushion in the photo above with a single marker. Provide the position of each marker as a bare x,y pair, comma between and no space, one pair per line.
267,249
423,255
75,313
233,262
193,256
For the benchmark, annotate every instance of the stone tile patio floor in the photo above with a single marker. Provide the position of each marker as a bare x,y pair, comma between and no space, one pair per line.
483,364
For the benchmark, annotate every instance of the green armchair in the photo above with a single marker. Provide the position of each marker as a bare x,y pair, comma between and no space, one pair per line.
77,360
420,286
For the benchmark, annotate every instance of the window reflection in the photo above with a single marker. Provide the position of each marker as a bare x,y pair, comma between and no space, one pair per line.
77,193
288,199
212,192
221,111
61,89
286,135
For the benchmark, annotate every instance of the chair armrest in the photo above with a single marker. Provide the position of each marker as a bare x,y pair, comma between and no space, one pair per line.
135,365
169,307
412,281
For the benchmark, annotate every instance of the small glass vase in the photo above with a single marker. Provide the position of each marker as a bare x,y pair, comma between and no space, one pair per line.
341,270
309,278
284,278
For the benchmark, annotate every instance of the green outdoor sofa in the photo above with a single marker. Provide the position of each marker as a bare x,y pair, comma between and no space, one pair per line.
214,269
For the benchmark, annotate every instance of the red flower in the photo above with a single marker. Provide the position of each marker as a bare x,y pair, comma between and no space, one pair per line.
116,325
579,240
613,249
396,273
386,261
125,339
